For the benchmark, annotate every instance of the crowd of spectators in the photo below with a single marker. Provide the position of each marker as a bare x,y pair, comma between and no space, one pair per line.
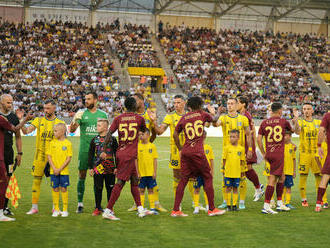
57,60
259,65
132,44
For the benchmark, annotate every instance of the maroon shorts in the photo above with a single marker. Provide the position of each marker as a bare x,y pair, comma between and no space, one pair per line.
194,164
326,166
276,165
126,167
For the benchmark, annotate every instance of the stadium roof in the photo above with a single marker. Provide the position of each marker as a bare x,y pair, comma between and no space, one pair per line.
276,9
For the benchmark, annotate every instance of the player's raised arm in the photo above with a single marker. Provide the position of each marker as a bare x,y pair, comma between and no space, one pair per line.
158,129
295,121
76,121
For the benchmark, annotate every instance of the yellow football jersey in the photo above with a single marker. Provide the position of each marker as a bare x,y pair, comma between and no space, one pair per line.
228,123
172,120
208,153
233,156
60,150
289,156
147,119
146,155
308,135
45,135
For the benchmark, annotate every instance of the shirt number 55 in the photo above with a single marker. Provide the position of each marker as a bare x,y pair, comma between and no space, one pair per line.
128,129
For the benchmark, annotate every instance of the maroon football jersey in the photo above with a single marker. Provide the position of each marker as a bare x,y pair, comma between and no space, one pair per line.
273,129
192,124
128,126
4,125
326,124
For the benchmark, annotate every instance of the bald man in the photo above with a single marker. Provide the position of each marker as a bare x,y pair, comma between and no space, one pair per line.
6,110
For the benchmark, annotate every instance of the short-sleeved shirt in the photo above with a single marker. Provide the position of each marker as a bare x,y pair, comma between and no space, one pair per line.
308,135
88,123
147,119
60,150
326,124
273,129
228,123
208,153
192,124
4,126
147,153
128,126
233,156
45,134
8,146
289,156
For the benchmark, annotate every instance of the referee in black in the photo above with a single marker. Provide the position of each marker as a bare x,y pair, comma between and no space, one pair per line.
6,110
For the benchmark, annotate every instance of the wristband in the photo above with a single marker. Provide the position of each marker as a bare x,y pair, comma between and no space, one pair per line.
20,153
319,145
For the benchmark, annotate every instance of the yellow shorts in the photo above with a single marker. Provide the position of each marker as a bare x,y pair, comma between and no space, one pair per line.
175,162
38,168
267,169
307,161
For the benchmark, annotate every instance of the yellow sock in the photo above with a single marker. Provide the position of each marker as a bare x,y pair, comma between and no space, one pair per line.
235,198
191,188
302,185
317,182
242,189
325,198
65,200
224,193
284,193
205,199
287,198
196,199
56,200
156,193
175,185
142,198
151,200
36,190
229,199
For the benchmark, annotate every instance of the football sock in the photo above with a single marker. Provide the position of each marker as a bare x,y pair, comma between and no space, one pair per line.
320,193
142,199
114,195
98,196
81,189
6,203
269,193
65,200
196,199
302,185
205,199
253,177
317,181
287,198
235,198
175,185
36,190
229,199
56,200
156,194
191,188
224,193
279,190
284,193
136,194
242,189
325,198
209,190
3,188
179,193
151,200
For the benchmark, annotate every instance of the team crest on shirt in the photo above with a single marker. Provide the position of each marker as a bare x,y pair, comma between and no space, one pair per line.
290,150
64,148
317,126
207,151
239,153
150,150
239,124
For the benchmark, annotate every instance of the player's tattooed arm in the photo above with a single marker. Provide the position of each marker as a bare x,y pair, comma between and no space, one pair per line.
27,118
249,141
296,127
320,140
216,122
260,145
107,141
177,140
159,130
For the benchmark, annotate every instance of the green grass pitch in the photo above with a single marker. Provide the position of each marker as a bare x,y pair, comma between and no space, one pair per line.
248,228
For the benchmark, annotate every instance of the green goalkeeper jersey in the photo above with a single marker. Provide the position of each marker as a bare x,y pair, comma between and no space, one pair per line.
88,130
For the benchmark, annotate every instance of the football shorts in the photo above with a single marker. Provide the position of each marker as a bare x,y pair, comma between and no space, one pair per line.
307,161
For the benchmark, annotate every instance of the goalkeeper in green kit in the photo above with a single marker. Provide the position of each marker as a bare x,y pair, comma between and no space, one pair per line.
87,120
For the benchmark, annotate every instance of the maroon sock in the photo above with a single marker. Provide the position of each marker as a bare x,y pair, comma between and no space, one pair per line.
320,193
136,194
279,191
209,190
253,177
3,185
269,193
179,193
114,195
